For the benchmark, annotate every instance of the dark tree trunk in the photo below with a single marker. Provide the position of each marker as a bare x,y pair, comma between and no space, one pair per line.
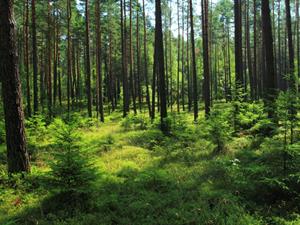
297,37
161,67
195,91
124,66
178,59
88,62
49,57
26,54
99,62
206,66
255,91
34,59
69,69
138,61
270,77
17,156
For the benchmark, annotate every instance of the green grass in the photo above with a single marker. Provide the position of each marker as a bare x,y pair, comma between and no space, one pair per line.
144,178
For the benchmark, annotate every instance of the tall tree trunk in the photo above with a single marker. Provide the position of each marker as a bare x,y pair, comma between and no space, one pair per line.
26,54
249,54
178,58
161,67
255,50
132,81
88,62
182,60
229,63
146,61
56,53
99,62
238,44
34,59
297,37
292,79
69,69
49,57
138,61
17,156
195,91
171,59
155,63
124,66
188,73
206,56
270,77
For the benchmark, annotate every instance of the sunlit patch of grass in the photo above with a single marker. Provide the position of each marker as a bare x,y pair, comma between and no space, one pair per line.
128,156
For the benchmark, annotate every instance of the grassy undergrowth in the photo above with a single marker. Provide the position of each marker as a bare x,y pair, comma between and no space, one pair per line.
144,177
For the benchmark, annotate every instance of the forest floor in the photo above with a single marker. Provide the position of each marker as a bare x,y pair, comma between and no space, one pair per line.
146,178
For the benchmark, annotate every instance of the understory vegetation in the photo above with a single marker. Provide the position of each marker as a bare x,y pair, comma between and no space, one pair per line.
223,170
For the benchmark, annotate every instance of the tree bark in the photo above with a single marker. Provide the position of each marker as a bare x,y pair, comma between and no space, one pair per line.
34,59
17,155
195,89
26,54
161,67
99,61
270,77
206,66
88,62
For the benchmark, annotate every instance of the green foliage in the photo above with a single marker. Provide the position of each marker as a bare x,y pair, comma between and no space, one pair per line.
2,132
135,122
248,115
219,129
107,142
147,139
36,129
77,120
36,133
72,173
286,106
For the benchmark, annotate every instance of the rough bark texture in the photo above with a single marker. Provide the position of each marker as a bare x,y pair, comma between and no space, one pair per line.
270,77
17,156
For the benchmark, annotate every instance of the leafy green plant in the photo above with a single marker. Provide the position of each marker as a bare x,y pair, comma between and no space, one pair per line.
2,132
37,133
72,173
219,129
140,122
250,114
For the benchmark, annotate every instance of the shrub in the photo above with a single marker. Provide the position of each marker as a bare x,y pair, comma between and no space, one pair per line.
247,114
219,129
72,174
140,122
36,129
